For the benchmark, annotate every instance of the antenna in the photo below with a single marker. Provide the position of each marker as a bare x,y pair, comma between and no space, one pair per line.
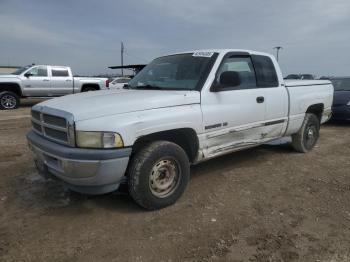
122,56
278,48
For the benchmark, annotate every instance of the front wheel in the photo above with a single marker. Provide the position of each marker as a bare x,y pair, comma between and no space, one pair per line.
9,100
306,138
158,175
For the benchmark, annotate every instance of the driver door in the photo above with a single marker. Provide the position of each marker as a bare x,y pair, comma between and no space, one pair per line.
233,116
37,83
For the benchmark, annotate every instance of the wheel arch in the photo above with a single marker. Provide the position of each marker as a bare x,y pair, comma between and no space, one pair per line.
87,85
316,109
11,87
186,138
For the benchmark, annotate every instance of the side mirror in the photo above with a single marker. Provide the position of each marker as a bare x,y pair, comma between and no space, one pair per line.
226,79
27,75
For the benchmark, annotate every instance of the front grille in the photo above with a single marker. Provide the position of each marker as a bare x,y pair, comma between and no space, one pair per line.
36,126
55,134
55,120
36,115
54,124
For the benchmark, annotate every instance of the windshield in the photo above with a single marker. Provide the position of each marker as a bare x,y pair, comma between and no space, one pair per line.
341,84
20,70
175,72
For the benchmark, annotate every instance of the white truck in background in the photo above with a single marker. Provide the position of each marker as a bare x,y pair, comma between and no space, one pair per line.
119,82
44,81
181,109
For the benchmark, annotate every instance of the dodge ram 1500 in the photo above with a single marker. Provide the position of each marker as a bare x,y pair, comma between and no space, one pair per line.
181,109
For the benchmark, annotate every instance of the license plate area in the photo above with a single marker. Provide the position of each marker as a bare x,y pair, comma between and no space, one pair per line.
43,160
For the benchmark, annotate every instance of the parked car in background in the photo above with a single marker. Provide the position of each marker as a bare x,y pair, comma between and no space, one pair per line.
292,77
341,100
119,82
181,109
307,77
44,81
300,77
326,77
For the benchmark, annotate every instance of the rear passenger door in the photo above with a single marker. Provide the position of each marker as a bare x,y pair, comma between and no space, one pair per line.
275,96
61,81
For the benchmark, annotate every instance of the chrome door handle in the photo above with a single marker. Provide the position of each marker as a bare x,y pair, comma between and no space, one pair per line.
46,80
68,80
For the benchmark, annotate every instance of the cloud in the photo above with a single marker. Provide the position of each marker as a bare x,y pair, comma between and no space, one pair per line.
87,34
16,30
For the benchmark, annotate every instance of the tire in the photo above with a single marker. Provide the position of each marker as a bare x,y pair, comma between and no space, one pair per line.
306,138
9,100
158,175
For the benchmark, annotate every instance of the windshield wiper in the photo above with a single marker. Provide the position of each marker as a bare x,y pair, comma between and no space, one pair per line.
148,87
154,87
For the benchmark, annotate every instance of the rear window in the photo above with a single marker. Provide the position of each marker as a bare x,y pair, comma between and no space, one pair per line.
60,72
341,84
266,75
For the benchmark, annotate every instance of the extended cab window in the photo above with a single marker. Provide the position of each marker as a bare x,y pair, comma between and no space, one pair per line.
39,71
243,67
266,75
60,72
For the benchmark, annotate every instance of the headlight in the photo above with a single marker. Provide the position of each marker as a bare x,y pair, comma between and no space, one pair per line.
98,139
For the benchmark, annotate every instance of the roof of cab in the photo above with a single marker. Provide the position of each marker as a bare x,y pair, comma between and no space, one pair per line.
224,51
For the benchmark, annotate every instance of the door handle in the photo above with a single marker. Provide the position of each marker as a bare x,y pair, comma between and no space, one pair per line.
46,80
68,80
260,99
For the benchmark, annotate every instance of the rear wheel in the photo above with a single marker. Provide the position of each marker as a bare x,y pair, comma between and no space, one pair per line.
158,175
305,140
9,100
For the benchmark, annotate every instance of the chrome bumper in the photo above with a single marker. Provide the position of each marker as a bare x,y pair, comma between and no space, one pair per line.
90,171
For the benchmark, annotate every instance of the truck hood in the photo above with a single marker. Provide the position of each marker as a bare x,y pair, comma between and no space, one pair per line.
8,76
110,102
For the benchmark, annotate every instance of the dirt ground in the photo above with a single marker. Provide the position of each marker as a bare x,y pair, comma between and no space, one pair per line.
264,204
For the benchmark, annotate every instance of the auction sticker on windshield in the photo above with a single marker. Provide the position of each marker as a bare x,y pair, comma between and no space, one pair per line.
203,54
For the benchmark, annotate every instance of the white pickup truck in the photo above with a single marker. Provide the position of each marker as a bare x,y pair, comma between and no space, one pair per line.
44,81
181,109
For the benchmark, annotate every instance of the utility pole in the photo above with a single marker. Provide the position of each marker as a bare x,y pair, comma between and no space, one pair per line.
122,56
278,48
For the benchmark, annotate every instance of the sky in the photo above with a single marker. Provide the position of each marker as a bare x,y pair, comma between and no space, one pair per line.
86,35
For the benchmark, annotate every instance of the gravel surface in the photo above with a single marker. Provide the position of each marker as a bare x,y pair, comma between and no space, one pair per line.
264,204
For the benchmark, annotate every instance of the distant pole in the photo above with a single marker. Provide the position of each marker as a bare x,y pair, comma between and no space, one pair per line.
122,56
278,48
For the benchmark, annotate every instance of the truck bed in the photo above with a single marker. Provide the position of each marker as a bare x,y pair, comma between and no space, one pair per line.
302,93
293,82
